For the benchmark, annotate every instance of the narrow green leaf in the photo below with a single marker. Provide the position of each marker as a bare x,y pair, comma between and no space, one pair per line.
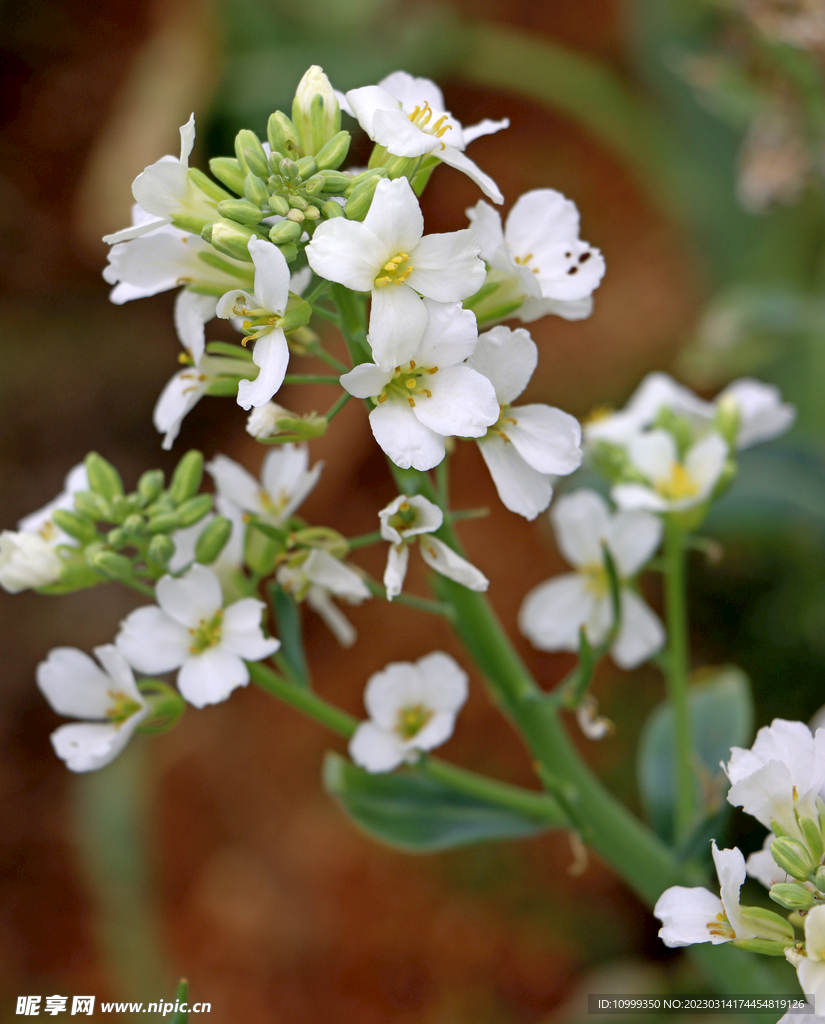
181,998
290,632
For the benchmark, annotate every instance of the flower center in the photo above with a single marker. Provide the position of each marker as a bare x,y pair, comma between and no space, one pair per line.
274,507
404,518
121,707
48,531
524,260
721,926
395,270
207,633
596,581
500,426
257,321
680,484
411,720
421,118
407,383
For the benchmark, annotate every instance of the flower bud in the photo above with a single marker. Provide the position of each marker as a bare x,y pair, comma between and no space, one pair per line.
104,479
133,524
792,857
230,238
323,537
263,420
298,203
767,925
314,185
813,838
306,167
248,142
763,946
186,479
122,507
296,215
278,205
728,419
229,171
188,222
331,209
331,155
792,896
289,251
288,169
206,185
111,565
27,561
119,537
164,522
240,210
336,181
258,163
90,504
819,879
161,549
193,510
150,485
360,200
213,540
359,179
80,527
283,136
285,231
312,213
306,427
255,190
315,110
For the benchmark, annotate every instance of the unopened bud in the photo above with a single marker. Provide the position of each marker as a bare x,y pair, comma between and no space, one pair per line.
331,209
288,169
133,524
766,924
150,485
164,522
792,896
296,215
80,527
289,252
263,421
213,540
229,171
306,167
93,505
278,205
819,879
104,479
314,185
331,155
122,507
813,838
360,200
763,946
323,537
186,479
161,549
231,239
315,110
728,419
188,222
285,231
206,185
359,179
312,213
306,427
283,136
193,510
255,190
298,202
111,565
248,141
258,163
336,181
792,857
240,210
119,537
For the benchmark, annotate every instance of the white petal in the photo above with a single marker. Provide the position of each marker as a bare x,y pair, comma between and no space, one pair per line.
27,560
641,633
581,521
553,613
485,127
404,438
235,483
447,267
766,794
397,558
152,642
376,750
762,413
300,280
395,216
387,692
329,572
161,188
653,454
437,731
192,312
546,438
762,866
633,538
271,275
533,308
485,222
507,359
394,130
347,252
730,867
73,684
455,158
398,319
811,975
187,139
463,403
178,398
88,746
685,915
241,631
366,380
191,598
412,92
636,496
428,518
446,682
706,460
541,219
445,561
522,490
233,303
815,933
271,354
135,231
210,677
450,337
336,622
287,479
363,104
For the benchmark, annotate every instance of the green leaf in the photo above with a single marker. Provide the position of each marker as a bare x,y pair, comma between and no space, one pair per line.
290,632
722,716
182,998
417,813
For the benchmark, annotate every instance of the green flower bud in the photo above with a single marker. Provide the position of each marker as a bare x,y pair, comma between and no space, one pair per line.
119,537
285,231
767,924
231,239
186,479
193,510
792,857
245,141
763,946
111,565
279,205
335,181
296,215
289,252
258,163
255,190
312,213
206,185
297,313
283,136
813,838
123,506
792,896
288,169
133,524
240,210
298,202
331,209
777,829
93,505
314,185
186,222
213,540
150,485
306,427
306,167
161,549
315,110
104,479
164,522
323,537
360,200
331,155
229,171
364,176
819,879
80,527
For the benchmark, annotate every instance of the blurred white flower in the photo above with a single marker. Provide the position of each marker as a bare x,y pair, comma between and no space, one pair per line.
316,580
286,480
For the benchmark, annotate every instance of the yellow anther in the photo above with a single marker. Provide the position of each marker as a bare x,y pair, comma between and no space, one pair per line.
411,383
412,364
427,392
185,358
432,369
437,128
412,402
381,282
382,398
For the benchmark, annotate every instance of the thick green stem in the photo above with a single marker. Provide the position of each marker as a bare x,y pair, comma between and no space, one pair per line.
309,378
365,540
677,674
303,700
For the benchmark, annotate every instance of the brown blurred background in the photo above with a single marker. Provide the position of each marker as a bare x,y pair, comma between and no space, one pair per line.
212,852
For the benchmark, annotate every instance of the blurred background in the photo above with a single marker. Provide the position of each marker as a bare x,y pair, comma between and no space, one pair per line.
690,134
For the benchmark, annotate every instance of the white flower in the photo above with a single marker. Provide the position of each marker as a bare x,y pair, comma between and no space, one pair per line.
229,561
696,915
762,414
74,686
540,247
528,445
27,561
41,521
262,422
810,969
430,396
781,775
387,256
673,483
192,631
412,708
263,312
406,116
554,611
167,258
286,480
408,517
316,580
762,866
164,190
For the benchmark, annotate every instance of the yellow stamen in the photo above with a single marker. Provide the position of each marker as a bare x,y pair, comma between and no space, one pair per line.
680,484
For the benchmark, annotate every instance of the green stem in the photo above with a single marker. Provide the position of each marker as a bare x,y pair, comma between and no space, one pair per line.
309,378
139,586
320,289
442,480
303,700
365,540
339,405
327,314
677,673
466,513
423,604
